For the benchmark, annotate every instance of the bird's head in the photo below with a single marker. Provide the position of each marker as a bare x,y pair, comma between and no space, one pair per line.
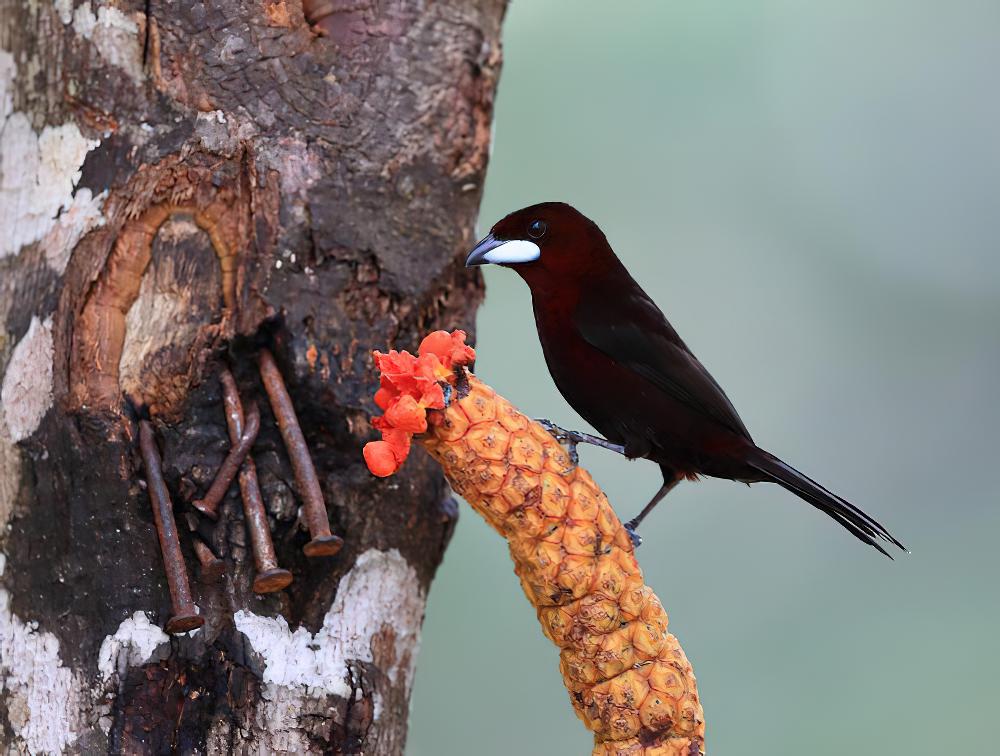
551,241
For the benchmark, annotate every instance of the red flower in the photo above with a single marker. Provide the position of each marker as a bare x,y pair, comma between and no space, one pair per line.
408,387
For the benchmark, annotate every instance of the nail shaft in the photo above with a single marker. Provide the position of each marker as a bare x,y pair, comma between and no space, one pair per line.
323,542
269,577
212,568
185,612
208,505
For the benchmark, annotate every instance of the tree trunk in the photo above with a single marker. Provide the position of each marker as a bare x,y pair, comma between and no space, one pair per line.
182,186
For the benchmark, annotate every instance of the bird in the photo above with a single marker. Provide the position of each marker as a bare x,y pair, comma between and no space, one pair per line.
619,363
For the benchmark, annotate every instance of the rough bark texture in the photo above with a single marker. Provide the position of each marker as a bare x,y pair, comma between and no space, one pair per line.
182,183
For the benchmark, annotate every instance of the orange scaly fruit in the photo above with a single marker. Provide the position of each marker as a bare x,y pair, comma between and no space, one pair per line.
627,676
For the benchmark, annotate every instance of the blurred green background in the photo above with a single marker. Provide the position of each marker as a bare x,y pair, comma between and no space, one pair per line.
811,192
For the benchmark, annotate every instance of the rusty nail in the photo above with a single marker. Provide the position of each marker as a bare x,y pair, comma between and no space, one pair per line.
185,611
212,568
208,505
323,542
270,577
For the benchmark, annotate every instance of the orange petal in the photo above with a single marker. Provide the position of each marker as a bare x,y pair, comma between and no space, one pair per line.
428,367
380,458
384,397
461,353
433,397
399,442
396,367
406,414
437,343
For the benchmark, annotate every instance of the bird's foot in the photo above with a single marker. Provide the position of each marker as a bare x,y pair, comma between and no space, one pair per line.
571,438
566,441
557,432
630,528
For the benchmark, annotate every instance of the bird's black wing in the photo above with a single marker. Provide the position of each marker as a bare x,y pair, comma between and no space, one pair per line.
635,334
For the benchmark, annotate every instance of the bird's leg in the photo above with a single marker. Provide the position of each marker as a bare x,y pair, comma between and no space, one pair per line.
570,439
632,525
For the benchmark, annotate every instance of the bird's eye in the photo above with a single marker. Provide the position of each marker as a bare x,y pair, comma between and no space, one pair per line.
537,229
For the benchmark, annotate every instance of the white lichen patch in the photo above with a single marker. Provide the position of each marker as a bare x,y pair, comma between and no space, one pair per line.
276,725
26,394
137,641
37,175
378,601
65,10
43,698
82,216
115,35
84,20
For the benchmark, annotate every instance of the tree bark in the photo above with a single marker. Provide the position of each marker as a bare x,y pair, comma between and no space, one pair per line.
182,185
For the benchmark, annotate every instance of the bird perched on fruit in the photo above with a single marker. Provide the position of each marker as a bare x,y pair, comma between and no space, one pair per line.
622,366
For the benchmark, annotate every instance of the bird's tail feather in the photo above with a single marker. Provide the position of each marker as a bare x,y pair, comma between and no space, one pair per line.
853,519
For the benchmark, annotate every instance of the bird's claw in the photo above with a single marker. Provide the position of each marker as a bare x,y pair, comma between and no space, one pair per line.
566,440
558,433
630,528
573,463
574,456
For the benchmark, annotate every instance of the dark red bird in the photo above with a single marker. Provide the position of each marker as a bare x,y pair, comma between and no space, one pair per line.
623,367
